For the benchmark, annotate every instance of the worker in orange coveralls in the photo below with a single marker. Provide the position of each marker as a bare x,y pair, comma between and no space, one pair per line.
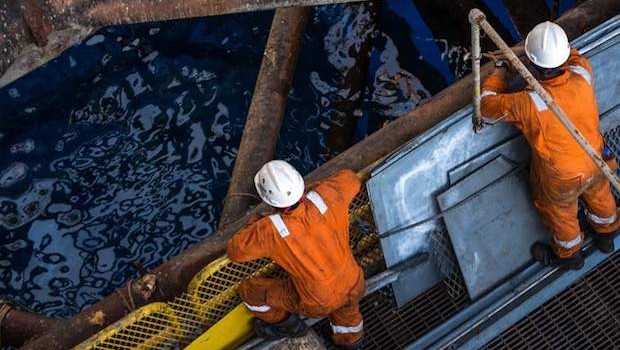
561,171
309,238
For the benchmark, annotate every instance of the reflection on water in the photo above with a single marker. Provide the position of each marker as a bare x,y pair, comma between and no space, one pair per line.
121,150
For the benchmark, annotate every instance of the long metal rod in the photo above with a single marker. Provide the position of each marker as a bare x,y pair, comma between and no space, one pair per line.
478,18
475,67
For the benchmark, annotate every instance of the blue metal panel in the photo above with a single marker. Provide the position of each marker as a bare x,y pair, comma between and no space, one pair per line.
492,232
475,182
516,150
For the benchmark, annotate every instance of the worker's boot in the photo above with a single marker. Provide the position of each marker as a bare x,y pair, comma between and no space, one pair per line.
604,241
543,253
291,327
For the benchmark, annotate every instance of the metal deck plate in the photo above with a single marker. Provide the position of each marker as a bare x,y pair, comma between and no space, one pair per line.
516,150
472,184
489,240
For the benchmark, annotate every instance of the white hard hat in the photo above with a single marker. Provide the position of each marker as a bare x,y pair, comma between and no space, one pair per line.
547,45
279,184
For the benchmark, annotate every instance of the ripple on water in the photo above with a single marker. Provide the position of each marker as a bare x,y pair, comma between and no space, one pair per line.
13,174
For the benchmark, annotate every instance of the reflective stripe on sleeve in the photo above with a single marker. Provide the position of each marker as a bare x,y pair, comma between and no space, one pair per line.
538,101
277,221
486,93
568,244
583,72
345,330
599,220
261,308
318,202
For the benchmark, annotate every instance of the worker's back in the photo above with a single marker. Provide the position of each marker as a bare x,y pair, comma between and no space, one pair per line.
574,94
554,148
311,242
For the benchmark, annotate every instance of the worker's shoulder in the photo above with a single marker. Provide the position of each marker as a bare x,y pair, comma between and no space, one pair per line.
265,224
344,176
338,182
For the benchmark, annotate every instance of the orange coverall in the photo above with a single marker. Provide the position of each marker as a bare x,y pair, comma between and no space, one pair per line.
561,171
311,242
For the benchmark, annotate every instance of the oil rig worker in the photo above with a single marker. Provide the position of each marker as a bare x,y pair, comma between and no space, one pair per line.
561,171
308,236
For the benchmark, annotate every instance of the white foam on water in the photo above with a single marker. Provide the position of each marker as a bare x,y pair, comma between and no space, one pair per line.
347,35
197,144
14,93
218,127
13,174
95,39
151,57
23,147
137,83
396,89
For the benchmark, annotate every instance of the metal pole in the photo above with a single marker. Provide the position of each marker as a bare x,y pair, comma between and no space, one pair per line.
476,16
475,67
17,327
262,127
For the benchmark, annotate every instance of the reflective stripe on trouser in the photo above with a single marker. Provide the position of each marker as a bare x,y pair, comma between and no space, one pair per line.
282,298
556,201
347,324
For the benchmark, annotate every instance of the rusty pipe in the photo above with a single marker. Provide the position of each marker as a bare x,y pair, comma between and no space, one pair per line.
262,127
17,327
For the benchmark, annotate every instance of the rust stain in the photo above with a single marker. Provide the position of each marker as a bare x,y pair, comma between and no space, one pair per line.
97,319
37,22
146,286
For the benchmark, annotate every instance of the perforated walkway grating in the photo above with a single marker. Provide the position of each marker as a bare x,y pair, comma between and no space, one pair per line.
585,316
389,328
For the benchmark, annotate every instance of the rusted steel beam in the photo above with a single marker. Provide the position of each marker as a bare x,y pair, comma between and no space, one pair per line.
262,127
174,275
17,327
132,11
17,44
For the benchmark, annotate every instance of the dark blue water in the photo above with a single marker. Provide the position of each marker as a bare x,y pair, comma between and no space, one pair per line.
121,149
